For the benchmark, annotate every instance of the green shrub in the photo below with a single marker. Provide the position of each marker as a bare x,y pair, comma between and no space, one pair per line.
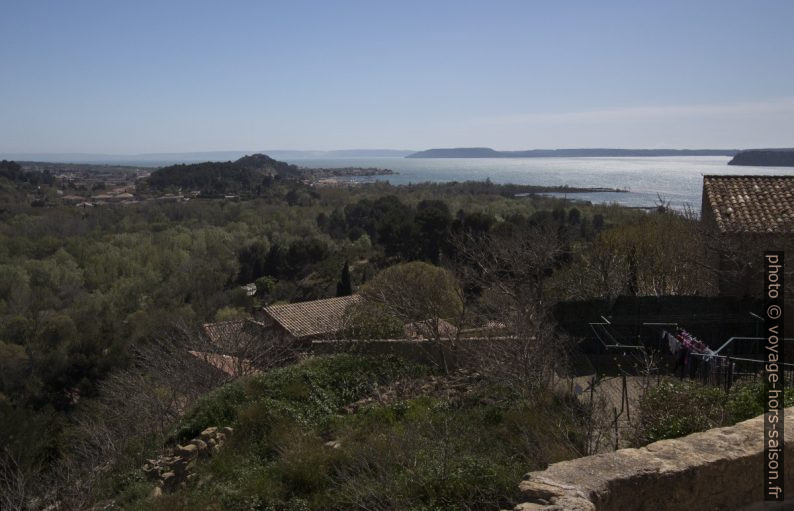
217,408
678,408
673,409
310,392
421,453
746,401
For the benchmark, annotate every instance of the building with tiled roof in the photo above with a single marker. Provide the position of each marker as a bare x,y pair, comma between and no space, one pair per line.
744,216
313,319
749,204
237,329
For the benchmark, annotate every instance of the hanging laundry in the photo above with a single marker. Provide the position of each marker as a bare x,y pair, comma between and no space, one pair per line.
672,342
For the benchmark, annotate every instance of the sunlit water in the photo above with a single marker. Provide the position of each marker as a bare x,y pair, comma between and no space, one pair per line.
677,180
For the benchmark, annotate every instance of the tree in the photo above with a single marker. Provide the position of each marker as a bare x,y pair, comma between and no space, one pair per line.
506,274
598,222
434,220
416,293
345,286
574,216
252,261
336,226
662,254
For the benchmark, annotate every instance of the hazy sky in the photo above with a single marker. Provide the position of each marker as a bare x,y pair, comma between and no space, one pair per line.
158,76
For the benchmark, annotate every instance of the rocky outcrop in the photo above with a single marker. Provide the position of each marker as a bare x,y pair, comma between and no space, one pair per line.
719,469
176,467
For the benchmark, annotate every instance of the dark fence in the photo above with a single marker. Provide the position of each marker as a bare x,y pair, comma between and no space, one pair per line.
619,336
636,320
739,358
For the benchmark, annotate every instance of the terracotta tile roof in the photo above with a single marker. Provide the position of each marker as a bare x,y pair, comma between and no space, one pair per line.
316,317
754,204
217,332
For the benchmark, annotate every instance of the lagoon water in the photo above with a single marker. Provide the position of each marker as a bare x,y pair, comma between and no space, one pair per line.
677,180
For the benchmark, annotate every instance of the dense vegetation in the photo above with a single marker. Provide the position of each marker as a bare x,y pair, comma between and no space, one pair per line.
12,171
677,408
84,290
412,452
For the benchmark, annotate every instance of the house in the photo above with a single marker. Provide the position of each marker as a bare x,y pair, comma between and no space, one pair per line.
759,206
319,327
237,331
305,321
326,319
243,346
743,216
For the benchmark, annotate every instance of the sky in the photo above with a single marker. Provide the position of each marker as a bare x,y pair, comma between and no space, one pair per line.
129,77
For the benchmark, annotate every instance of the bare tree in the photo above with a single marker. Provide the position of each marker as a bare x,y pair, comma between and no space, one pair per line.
510,271
18,486
192,361
249,346
516,264
169,373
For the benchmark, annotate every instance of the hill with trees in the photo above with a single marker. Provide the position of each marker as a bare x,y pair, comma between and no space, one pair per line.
249,173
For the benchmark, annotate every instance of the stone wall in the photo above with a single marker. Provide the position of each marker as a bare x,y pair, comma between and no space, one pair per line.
719,469
175,468
423,351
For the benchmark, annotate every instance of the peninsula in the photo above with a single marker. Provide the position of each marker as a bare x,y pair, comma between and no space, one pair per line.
764,158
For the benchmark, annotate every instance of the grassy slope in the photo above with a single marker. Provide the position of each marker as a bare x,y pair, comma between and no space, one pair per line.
421,453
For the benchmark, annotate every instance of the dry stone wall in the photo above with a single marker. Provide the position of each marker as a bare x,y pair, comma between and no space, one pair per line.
175,468
720,469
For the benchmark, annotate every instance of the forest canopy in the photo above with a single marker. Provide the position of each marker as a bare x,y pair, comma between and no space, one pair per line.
84,291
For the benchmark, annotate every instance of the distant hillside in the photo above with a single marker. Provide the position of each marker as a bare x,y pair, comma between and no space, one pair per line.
487,152
247,173
339,153
265,164
160,159
765,158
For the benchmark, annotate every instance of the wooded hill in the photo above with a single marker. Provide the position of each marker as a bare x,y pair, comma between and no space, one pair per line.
249,173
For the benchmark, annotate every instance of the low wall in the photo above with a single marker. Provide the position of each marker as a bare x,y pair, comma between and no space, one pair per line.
719,469
417,350
421,351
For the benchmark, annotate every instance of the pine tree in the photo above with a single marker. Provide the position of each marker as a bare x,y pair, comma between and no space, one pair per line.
345,286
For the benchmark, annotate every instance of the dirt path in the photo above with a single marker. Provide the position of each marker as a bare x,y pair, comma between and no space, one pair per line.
610,401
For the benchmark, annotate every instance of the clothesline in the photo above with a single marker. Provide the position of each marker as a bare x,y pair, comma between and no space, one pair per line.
682,343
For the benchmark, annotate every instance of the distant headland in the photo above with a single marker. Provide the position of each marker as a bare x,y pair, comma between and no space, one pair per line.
764,158
487,152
